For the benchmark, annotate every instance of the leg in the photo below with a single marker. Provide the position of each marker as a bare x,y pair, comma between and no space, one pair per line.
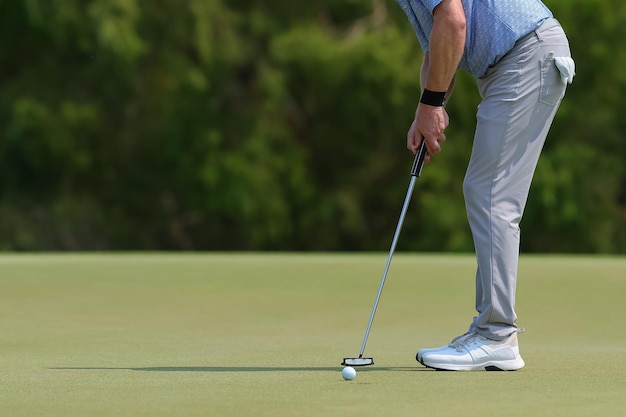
520,97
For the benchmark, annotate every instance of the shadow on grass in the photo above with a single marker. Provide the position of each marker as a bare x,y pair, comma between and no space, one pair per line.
241,369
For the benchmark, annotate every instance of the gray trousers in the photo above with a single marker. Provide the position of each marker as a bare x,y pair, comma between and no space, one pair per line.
520,96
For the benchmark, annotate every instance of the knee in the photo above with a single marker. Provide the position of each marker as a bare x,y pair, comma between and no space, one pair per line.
477,195
471,189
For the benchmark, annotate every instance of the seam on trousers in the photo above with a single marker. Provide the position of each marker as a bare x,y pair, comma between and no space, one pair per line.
493,182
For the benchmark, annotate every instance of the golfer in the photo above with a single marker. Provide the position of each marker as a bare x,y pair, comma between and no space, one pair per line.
520,57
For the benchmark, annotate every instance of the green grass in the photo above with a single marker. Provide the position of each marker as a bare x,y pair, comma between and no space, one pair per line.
263,335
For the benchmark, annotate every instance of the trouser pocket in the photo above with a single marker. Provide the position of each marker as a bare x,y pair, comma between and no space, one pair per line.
552,87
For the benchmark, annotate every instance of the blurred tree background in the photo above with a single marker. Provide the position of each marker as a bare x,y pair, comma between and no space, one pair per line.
274,125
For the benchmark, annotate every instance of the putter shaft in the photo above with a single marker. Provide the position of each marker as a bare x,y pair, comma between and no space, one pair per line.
416,170
393,247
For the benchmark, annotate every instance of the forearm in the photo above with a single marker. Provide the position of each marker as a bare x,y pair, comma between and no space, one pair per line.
424,76
447,42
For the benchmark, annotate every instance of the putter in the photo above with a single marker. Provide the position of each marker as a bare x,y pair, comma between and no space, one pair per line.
416,170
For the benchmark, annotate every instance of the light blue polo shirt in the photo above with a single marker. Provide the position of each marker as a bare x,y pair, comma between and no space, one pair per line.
493,27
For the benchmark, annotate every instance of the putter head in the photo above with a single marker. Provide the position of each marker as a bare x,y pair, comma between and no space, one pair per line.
357,361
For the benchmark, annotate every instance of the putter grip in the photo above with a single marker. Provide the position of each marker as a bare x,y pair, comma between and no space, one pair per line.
418,162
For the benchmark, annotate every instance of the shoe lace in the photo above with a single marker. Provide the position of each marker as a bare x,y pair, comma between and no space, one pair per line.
463,340
468,338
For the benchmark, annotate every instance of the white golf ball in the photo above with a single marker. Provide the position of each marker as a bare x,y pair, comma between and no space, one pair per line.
348,373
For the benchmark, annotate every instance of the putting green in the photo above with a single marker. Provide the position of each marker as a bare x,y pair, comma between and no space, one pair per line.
264,334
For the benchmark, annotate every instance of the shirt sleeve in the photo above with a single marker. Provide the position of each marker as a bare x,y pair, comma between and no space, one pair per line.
431,4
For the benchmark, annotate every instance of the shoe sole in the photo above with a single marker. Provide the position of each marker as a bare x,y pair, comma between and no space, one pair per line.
489,366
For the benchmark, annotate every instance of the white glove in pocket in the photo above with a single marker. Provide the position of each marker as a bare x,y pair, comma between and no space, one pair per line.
566,67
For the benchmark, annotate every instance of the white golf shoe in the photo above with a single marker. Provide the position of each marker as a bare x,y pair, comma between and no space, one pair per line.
473,352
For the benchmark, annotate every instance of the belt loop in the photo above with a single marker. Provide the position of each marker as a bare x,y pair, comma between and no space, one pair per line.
538,34
549,23
546,24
